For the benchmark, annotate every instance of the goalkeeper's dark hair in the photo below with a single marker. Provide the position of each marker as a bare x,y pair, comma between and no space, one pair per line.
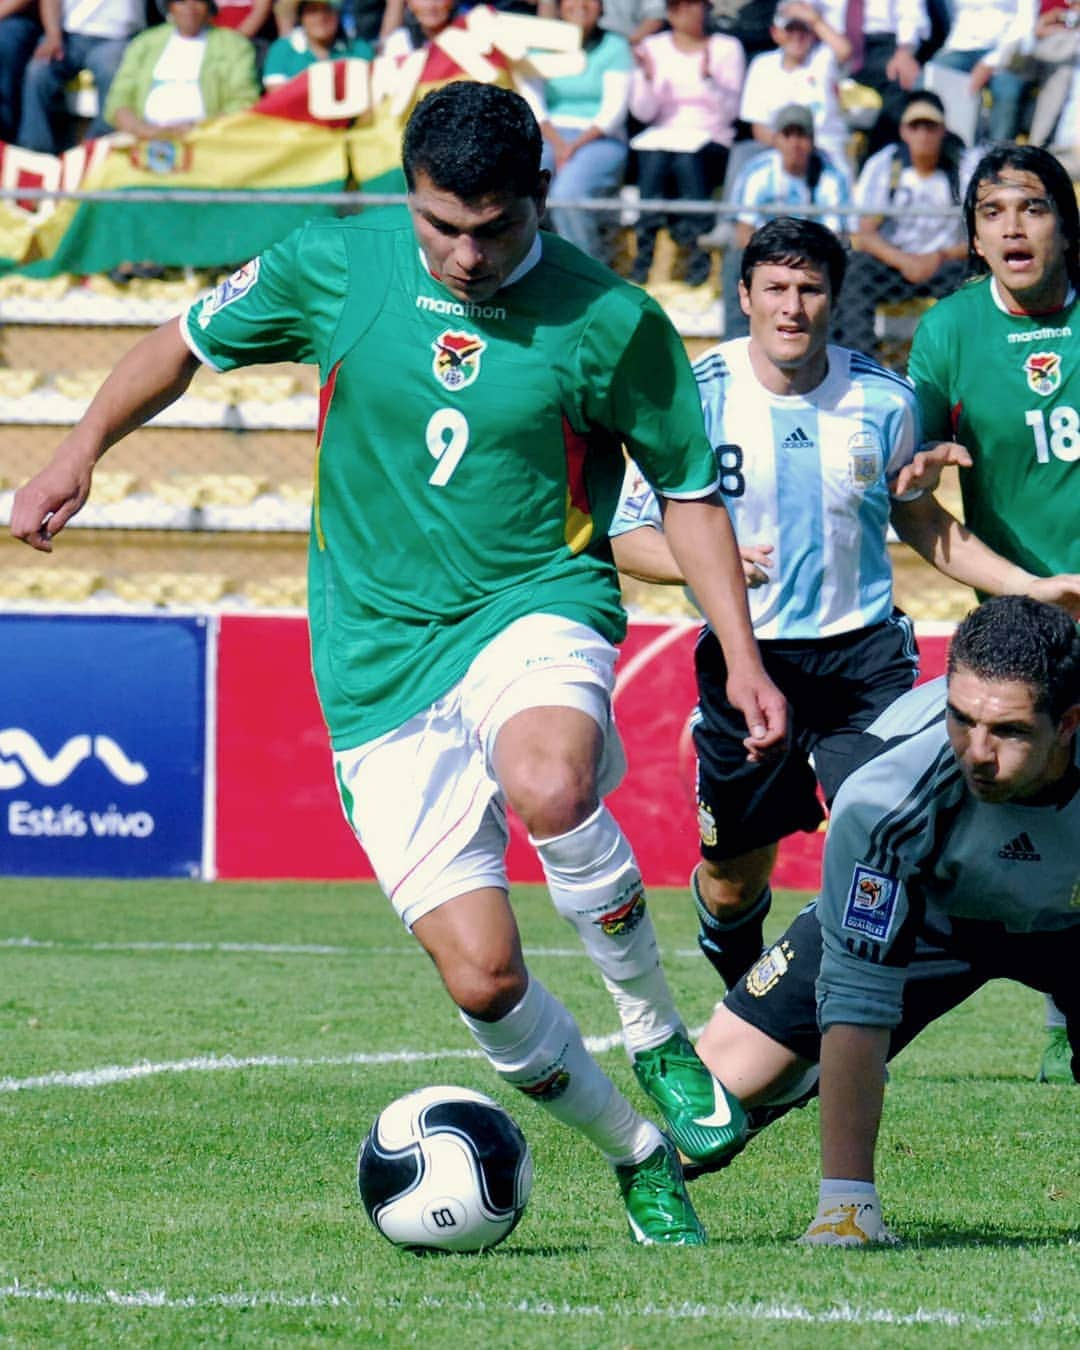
1011,637
473,139
788,242
1055,179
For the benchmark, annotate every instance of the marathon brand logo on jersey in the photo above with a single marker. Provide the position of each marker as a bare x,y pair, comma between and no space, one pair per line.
457,358
625,915
866,459
769,969
871,903
460,309
1043,370
228,291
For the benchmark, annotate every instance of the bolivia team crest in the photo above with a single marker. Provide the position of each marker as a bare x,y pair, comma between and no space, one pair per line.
457,358
1043,370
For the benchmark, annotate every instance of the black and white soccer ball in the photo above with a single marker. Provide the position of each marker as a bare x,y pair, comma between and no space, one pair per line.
444,1169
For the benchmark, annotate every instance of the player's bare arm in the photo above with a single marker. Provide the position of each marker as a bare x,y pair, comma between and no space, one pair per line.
936,535
703,544
153,374
925,470
644,555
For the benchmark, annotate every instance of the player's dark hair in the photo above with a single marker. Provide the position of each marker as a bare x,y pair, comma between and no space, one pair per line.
473,139
1012,637
1055,179
788,242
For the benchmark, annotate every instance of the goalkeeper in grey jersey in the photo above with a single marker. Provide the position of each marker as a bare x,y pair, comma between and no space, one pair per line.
953,858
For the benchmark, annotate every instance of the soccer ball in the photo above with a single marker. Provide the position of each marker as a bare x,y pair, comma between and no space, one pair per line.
444,1168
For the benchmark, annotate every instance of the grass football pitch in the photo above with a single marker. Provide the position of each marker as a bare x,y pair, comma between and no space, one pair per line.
188,1071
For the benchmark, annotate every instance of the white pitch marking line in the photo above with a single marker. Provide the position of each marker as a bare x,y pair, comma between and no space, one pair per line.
268,948
838,1314
110,1074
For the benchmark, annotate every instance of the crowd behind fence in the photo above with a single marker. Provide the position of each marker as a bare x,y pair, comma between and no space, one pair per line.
209,503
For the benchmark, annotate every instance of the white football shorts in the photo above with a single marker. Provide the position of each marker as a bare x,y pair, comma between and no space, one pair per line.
423,799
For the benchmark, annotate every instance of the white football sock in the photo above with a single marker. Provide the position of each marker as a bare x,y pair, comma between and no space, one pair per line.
596,886
537,1047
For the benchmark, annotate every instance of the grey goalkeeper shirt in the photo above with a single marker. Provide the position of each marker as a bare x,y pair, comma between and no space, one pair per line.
907,834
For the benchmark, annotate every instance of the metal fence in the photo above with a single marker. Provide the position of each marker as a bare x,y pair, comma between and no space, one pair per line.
209,504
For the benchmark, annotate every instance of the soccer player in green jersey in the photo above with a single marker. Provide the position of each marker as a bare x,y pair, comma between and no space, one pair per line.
996,369
478,382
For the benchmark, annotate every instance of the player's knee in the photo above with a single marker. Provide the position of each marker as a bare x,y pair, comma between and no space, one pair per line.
553,796
724,895
486,990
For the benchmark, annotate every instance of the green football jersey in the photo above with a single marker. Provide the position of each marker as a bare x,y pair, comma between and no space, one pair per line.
469,455
1007,387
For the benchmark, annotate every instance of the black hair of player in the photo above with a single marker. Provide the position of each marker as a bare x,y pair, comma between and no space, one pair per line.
1055,179
474,140
788,242
1012,637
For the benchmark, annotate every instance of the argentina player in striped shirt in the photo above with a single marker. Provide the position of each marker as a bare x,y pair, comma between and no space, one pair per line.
815,445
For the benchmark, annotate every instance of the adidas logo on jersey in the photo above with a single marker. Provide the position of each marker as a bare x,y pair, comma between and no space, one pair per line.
798,440
1020,849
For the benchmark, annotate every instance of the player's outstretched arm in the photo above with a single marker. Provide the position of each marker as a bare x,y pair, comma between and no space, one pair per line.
924,471
703,544
644,554
153,374
936,535
852,1089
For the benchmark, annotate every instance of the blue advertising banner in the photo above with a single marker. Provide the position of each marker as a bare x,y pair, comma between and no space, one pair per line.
102,744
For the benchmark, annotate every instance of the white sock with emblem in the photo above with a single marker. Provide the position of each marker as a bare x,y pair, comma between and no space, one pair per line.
537,1048
596,886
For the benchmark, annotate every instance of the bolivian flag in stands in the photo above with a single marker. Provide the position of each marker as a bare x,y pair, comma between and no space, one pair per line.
336,126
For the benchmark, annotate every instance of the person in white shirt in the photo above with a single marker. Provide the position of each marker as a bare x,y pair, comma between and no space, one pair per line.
897,257
978,28
804,69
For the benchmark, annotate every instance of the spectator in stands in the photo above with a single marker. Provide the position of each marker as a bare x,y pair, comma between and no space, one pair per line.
250,18
20,33
778,182
318,36
181,72
583,120
78,35
424,21
804,69
1042,46
632,19
886,36
896,257
371,20
686,90
978,28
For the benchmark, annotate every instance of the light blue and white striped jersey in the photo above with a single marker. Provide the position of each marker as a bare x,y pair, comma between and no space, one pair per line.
764,184
808,474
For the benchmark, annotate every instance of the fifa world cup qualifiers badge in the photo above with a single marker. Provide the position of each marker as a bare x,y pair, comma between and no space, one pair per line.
229,291
871,902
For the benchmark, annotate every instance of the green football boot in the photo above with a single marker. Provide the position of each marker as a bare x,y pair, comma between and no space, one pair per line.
1056,1066
658,1208
703,1118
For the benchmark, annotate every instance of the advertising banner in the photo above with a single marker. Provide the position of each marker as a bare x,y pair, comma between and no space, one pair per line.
102,745
278,812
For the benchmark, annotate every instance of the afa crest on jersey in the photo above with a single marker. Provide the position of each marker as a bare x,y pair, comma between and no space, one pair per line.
457,358
1043,371
866,459
229,290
